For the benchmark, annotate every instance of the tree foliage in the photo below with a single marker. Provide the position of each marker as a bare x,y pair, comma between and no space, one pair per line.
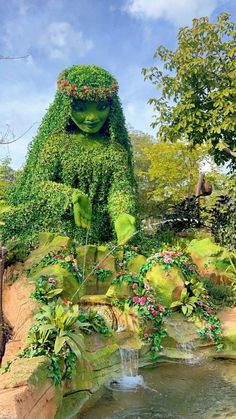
6,178
166,173
198,87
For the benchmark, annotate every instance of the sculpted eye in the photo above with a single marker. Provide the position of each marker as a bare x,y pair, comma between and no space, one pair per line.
78,106
102,106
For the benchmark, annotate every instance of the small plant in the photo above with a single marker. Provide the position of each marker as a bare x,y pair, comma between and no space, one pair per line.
102,274
57,335
94,322
134,281
45,289
187,304
64,258
220,295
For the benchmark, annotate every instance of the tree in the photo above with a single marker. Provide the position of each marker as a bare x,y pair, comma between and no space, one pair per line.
174,171
198,87
166,173
140,141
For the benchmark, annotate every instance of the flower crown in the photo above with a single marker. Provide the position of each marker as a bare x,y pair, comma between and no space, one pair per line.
87,92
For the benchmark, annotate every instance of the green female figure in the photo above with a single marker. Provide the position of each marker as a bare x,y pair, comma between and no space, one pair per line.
78,173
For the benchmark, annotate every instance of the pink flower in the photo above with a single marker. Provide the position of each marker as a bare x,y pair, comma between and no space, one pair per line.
154,313
145,335
143,300
119,273
150,307
58,257
168,259
135,286
208,310
161,308
211,327
52,281
135,299
150,299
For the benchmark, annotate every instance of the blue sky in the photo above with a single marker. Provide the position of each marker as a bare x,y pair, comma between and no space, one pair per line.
119,35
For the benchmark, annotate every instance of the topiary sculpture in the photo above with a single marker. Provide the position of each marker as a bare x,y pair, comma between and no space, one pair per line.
78,173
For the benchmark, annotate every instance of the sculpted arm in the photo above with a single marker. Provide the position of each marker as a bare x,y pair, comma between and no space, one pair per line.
121,200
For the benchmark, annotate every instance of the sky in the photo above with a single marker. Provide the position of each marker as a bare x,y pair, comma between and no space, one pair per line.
119,35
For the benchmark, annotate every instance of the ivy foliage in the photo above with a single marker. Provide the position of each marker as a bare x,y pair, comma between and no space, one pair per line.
62,159
198,87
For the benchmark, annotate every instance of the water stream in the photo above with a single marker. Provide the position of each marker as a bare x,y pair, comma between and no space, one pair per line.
130,378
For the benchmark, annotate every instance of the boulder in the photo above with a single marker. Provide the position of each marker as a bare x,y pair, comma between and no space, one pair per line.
135,263
72,290
168,283
48,242
212,260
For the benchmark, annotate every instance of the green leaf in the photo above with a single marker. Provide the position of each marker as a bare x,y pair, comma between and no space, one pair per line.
59,342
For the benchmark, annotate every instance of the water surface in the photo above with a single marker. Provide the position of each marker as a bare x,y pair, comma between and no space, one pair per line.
174,391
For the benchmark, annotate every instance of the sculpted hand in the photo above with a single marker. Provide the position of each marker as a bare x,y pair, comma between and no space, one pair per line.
125,228
82,209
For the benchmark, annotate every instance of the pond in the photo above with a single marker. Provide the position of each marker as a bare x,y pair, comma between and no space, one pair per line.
174,391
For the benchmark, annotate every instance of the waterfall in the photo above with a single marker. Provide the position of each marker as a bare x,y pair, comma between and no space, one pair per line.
129,362
130,380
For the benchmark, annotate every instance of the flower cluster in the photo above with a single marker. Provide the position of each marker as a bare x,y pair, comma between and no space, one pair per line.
170,258
87,92
211,329
144,300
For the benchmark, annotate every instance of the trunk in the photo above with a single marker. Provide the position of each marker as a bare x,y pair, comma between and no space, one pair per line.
3,253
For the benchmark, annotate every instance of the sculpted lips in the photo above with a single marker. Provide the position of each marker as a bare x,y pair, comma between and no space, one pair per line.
91,124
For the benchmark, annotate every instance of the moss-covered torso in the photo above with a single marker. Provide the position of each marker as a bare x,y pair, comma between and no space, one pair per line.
70,161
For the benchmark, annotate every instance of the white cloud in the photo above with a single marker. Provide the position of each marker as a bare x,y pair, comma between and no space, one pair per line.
59,40
177,12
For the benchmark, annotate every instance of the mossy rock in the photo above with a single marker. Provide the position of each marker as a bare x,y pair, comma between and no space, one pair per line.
120,291
65,280
25,371
180,329
90,257
107,262
48,242
212,260
135,263
168,283
91,372
72,405
86,257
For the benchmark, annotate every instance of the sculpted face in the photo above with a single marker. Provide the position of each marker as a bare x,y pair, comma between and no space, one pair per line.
90,116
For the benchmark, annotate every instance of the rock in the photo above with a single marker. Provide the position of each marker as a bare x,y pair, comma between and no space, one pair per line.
119,291
100,364
135,263
102,305
167,283
26,392
228,318
18,311
212,260
72,290
48,242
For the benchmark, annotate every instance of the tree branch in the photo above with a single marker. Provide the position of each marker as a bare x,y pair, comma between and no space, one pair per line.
4,140
2,57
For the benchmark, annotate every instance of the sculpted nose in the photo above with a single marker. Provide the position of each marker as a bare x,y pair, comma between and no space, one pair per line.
91,117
